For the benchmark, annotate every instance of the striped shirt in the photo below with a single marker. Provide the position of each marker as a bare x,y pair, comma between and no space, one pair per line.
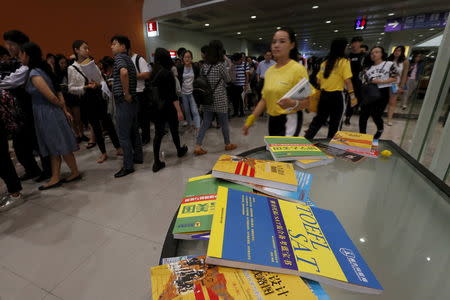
122,60
240,73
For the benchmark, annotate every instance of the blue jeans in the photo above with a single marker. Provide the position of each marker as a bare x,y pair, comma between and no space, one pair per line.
128,132
222,118
191,110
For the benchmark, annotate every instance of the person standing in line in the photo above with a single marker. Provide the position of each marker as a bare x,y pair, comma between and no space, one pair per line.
402,65
335,74
91,94
416,69
285,115
216,72
143,74
187,73
261,71
240,79
54,134
171,112
51,61
383,73
24,141
357,57
124,90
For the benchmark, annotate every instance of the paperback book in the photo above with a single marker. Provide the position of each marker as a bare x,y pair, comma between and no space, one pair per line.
354,141
341,154
285,148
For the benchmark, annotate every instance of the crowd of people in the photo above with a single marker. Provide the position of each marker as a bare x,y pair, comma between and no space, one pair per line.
50,107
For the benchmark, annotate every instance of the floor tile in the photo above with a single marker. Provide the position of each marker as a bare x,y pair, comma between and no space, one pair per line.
13,287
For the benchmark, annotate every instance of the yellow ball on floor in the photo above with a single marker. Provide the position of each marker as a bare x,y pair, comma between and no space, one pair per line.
386,153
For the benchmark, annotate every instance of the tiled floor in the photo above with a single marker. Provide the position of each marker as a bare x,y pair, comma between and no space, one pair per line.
96,239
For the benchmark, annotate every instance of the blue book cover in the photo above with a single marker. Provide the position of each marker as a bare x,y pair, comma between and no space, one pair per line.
252,231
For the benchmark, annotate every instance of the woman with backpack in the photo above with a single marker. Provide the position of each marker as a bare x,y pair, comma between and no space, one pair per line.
187,73
90,92
163,81
216,75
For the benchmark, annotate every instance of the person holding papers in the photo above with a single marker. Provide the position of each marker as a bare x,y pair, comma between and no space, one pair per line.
285,114
85,82
335,73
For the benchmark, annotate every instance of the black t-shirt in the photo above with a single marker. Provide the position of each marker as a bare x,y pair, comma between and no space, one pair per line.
356,64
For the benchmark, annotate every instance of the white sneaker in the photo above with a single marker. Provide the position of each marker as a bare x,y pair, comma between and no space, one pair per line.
389,123
9,202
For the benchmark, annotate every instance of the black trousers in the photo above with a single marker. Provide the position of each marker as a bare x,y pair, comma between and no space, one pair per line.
286,125
170,116
143,116
236,99
332,105
374,110
7,170
97,112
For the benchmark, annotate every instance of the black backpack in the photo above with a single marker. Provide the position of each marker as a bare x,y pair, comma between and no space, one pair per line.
203,93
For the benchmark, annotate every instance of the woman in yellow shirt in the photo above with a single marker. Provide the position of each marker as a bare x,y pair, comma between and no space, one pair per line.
335,73
285,116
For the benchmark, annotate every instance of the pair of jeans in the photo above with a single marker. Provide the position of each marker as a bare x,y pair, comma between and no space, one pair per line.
236,99
222,118
143,116
129,137
7,170
191,110
332,105
168,115
374,110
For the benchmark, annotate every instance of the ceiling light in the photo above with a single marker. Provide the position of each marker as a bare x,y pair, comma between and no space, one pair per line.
314,43
420,35
391,14
328,22
238,32
306,40
315,7
336,30
378,42
380,38
253,17
278,27
414,40
295,34
362,240
382,33
259,38
431,29
428,258
206,25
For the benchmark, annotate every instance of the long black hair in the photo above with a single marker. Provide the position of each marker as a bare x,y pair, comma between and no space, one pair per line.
293,54
214,52
337,51
60,74
162,61
35,61
402,56
76,45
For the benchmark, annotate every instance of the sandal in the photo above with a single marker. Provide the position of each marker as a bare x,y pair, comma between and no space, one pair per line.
200,151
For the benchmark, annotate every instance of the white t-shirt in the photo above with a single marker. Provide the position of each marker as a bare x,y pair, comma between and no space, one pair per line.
188,80
399,67
382,71
143,68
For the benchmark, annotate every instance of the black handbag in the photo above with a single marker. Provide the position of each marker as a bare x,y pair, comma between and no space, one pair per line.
203,93
370,92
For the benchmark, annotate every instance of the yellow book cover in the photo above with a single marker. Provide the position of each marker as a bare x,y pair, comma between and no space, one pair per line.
352,140
265,172
191,278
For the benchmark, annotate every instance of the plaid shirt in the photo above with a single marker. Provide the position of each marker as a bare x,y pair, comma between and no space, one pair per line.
218,73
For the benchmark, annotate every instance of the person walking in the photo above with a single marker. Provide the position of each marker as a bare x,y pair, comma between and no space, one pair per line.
90,92
54,134
215,71
335,74
415,71
285,115
383,73
402,65
263,66
124,90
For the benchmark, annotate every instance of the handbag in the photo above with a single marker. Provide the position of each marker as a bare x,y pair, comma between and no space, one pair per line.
203,93
370,92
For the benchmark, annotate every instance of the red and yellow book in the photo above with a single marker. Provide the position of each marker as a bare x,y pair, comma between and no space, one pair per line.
352,141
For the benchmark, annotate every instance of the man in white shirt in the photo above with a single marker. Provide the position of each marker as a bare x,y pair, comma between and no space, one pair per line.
143,72
261,71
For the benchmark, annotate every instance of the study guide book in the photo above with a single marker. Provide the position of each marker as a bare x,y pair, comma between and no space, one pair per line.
372,154
299,91
341,154
302,193
262,233
285,148
354,141
190,278
312,163
269,173
197,208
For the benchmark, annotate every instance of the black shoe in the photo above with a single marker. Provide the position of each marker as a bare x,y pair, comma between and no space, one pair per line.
43,177
182,152
138,162
123,172
43,187
28,176
158,166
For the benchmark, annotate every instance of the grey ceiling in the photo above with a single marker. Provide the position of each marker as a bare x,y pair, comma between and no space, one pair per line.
232,16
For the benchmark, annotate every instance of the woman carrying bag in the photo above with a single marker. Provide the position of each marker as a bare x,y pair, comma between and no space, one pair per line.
377,80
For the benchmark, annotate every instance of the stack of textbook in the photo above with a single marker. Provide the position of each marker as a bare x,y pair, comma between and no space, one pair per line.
357,143
266,239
